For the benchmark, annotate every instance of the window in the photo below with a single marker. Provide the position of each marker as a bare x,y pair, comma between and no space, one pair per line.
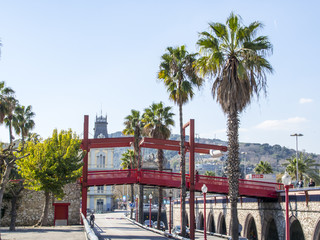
101,160
100,189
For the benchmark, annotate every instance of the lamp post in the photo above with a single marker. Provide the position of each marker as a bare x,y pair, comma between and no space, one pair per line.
150,198
297,135
170,197
137,198
286,180
204,190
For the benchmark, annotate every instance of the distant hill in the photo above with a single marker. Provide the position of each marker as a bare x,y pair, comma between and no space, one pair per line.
251,155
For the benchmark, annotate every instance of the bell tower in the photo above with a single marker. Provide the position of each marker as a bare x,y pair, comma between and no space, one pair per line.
100,127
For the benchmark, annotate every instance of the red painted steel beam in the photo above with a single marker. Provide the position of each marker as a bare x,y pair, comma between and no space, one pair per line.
210,146
111,140
110,145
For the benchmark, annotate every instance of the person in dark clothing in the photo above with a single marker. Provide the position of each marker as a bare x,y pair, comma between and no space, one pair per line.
92,220
311,183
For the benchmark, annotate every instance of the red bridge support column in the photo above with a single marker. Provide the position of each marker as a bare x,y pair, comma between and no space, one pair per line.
192,168
85,165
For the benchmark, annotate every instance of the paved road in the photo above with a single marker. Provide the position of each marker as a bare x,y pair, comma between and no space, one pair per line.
115,226
44,233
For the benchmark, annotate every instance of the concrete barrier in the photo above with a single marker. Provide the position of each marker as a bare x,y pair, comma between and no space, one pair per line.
90,235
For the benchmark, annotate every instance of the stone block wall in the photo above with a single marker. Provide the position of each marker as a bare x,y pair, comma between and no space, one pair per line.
31,203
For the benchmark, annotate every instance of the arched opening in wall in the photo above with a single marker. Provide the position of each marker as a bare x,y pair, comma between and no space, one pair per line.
222,227
296,232
271,231
316,234
250,230
200,221
211,227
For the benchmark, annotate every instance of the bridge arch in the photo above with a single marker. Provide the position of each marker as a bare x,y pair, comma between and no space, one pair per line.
200,221
211,226
222,227
269,230
316,233
250,228
296,232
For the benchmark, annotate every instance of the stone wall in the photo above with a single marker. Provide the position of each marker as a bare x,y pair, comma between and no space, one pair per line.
304,209
31,203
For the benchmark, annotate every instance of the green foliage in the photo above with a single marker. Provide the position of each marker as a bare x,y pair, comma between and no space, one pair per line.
128,160
210,173
53,163
263,168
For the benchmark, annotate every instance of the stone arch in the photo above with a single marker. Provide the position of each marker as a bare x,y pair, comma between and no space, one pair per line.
296,232
222,227
210,223
200,221
316,233
250,228
269,230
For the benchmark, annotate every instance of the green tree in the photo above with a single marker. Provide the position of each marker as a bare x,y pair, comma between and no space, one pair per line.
307,168
158,119
236,57
127,162
178,73
210,173
263,167
134,126
51,165
22,121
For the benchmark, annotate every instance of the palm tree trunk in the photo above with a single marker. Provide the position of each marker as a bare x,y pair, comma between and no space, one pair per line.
132,200
233,171
14,207
160,162
183,175
44,217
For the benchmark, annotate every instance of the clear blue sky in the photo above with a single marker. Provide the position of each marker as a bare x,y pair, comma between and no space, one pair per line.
71,58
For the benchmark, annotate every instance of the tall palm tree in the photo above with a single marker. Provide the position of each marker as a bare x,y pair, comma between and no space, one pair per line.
307,168
7,106
134,126
178,73
233,54
263,167
127,162
158,119
22,121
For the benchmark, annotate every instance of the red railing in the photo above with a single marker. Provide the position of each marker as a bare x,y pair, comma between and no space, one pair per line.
167,179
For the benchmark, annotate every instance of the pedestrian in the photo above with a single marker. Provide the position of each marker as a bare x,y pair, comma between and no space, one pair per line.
300,184
92,220
311,183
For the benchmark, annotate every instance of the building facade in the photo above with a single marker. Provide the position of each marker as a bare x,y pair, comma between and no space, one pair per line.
100,198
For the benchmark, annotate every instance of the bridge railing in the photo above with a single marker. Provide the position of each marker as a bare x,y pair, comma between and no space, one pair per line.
160,178
111,177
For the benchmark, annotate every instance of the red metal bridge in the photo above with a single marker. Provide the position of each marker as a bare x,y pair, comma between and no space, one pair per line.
166,179
217,185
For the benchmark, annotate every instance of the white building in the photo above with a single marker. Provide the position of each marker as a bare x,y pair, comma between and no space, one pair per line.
100,197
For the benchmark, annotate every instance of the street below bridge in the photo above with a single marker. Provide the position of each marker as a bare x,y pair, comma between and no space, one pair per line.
115,225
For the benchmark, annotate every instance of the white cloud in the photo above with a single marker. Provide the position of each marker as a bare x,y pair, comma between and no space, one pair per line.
287,124
305,100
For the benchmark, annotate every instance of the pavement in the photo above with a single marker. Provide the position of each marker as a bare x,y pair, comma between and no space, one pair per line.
75,232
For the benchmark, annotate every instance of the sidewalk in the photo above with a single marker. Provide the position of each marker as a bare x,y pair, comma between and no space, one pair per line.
75,232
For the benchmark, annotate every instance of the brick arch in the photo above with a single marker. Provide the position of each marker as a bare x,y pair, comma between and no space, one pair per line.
200,221
269,230
221,226
210,223
250,228
296,231
316,233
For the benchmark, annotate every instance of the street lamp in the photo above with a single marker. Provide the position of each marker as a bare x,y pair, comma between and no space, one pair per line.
297,135
170,197
150,198
204,190
286,180
137,198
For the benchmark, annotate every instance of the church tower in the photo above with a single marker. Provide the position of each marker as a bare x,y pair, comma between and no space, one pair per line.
100,128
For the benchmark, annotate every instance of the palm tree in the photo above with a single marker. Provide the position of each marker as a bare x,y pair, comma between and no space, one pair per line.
178,73
263,168
134,126
7,106
307,168
129,163
22,121
233,54
210,173
158,120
